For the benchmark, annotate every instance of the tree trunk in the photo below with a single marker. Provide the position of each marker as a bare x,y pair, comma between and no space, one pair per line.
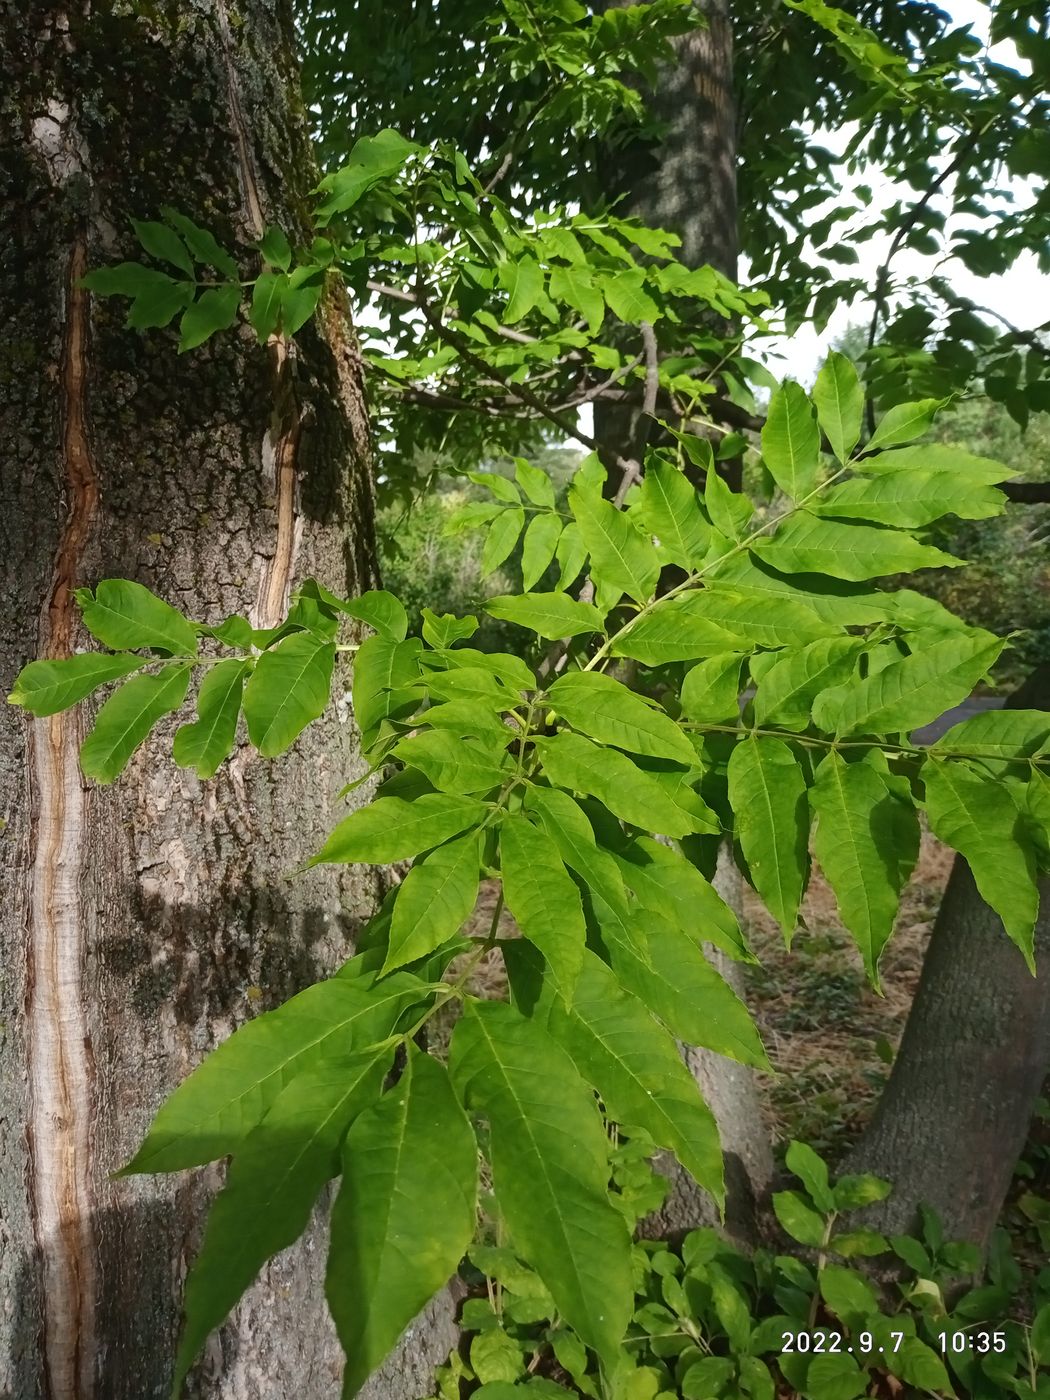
140,924
952,1121
686,182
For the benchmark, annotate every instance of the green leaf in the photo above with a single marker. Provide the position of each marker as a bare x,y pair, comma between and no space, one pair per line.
496,1360
204,743
798,1218
385,677
212,1112
716,620
552,615
848,605
635,1066
265,311
848,1295
910,499
501,537
867,842
571,554
459,765
404,1216
791,441
904,423
567,825
812,1171
550,1167
128,279
48,687
500,486
711,690
391,828
997,734
469,683
621,557
940,672
767,792
447,629
572,762
510,669
730,511
122,614
380,610
271,1187
541,540
834,1376
288,688
667,971
469,719
575,287
434,901
839,397
807,544
156,304
603,709
627,299
968,470
920,1366
523,282
275,248
788,688
214,310
979,818
202,243
536,484
543,899
669,506
667,883
163,243
675,630
372,160
125,720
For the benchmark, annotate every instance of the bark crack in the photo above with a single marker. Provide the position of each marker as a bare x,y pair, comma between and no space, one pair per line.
60,1068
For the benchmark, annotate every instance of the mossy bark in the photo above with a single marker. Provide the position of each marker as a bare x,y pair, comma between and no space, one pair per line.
141,923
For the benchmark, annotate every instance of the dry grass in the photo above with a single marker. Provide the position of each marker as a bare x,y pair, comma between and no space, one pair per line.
829,1035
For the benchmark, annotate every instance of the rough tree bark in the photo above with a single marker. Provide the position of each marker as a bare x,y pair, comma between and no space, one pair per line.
686,182
951,1123
140,924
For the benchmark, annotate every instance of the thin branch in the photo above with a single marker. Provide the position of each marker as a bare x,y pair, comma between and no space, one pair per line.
652,369
601,390
397,294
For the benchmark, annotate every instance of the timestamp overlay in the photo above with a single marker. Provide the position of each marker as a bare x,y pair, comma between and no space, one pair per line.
825,1341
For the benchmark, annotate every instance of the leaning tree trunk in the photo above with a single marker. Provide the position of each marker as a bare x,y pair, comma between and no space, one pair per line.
686,182
952,1121
140,924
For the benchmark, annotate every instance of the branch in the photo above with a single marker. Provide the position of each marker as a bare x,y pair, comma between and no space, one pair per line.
1027,493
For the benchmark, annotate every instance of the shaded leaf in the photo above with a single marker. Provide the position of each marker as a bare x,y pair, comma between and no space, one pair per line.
404,1216
550,1167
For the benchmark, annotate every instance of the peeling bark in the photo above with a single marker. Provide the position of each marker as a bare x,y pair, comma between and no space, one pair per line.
140,924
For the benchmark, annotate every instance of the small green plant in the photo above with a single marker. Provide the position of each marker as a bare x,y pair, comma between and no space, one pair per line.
711,1323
